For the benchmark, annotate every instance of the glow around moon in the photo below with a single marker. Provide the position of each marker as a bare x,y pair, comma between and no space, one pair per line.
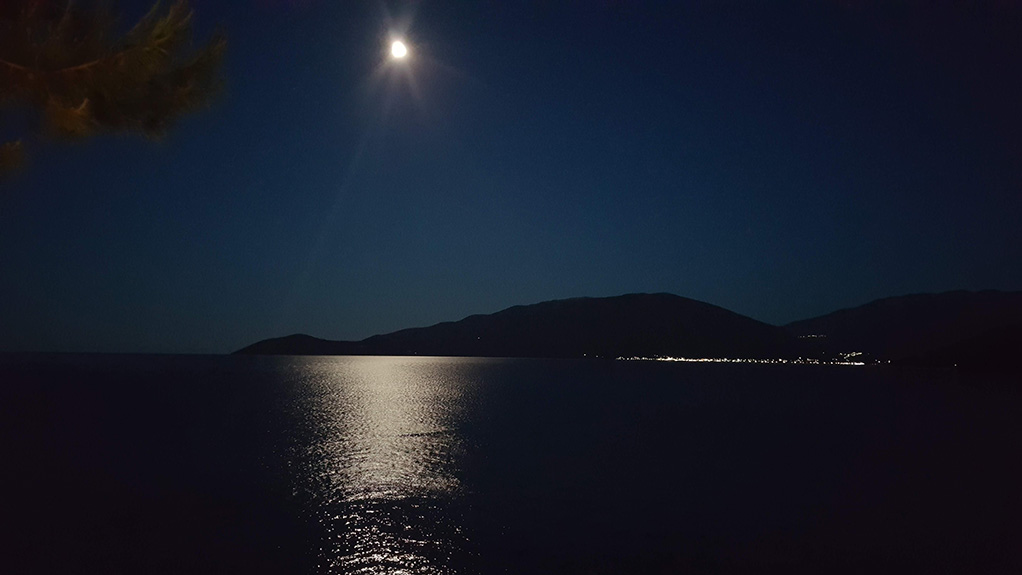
398,49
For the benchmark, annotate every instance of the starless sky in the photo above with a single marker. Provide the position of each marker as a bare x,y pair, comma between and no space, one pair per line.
780,159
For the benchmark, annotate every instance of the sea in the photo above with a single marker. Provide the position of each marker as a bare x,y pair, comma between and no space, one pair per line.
435,465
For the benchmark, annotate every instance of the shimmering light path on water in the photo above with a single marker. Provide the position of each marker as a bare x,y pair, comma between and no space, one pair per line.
384,460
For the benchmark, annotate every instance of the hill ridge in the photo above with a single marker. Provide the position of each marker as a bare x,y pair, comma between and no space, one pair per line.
943,328
627,324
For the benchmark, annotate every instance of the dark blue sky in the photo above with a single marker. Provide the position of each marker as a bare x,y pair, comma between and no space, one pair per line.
779,159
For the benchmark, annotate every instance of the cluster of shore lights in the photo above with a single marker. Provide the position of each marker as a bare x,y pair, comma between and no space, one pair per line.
799,361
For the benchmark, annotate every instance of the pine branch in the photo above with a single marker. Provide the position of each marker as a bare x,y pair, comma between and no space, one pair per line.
165,31
67,66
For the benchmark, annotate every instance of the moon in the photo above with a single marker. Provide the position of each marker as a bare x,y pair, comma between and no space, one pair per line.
398,49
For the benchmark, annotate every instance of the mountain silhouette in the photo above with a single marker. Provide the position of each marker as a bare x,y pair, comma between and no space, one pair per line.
922,328
997,350
975,330
629,325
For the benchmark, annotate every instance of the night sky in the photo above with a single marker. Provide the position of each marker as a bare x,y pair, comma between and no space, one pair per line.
782,160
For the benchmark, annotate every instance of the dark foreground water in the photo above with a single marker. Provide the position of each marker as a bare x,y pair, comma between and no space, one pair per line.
141,464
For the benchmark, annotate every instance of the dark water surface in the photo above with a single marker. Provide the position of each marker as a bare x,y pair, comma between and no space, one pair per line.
189,464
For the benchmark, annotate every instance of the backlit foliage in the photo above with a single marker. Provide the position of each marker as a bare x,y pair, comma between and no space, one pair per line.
68,63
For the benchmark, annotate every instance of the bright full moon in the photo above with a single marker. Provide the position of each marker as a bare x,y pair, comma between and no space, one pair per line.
398,49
